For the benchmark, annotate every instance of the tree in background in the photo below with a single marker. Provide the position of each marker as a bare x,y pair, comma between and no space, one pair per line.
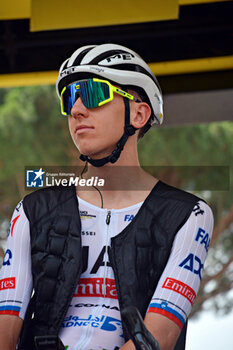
31,132
184,154
197,158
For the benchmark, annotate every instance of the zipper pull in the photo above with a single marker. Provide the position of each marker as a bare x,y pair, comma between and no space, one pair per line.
108,217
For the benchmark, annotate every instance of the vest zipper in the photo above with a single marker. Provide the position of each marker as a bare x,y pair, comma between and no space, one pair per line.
108,218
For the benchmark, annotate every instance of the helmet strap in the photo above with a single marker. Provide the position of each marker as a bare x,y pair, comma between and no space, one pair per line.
113,157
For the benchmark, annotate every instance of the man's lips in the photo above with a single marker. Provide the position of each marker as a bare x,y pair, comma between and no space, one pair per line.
82,128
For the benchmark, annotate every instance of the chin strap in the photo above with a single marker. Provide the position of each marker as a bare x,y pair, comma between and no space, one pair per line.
113,157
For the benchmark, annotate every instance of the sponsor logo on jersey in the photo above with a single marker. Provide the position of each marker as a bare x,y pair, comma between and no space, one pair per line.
7,258
97,305
35,178
128,217
203,238
12,225
19,206
95,287
7,283
100,261
84,215
197,209
88,233
105,323
193,264
181,288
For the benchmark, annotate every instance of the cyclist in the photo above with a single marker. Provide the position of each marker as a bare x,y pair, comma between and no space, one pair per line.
76,258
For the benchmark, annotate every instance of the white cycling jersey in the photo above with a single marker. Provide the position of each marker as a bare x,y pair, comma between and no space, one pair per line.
93,319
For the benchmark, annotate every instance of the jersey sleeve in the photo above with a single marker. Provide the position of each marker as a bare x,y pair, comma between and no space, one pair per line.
180,281
15,274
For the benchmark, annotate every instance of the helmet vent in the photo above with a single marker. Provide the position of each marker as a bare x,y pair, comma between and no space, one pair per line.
79,58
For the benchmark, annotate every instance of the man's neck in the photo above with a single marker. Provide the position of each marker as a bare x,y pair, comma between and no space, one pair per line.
125,182
123,186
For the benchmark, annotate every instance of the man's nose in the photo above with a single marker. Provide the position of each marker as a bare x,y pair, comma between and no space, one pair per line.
79,109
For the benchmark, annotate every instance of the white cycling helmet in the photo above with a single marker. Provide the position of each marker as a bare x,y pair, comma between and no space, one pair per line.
119,65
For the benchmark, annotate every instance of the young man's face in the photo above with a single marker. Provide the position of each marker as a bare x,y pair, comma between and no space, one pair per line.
96,131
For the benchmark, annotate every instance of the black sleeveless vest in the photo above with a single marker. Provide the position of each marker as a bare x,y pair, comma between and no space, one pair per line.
138,254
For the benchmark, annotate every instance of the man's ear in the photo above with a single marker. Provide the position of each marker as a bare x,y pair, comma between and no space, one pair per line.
140,114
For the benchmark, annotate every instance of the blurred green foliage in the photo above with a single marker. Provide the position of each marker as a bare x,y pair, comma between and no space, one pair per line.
184,152
32,132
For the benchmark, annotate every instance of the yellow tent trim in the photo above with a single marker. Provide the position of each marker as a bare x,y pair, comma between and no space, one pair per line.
159,68
15,9
192,66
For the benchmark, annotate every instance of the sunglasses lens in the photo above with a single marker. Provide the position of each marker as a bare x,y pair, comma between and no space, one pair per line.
68,99
91,92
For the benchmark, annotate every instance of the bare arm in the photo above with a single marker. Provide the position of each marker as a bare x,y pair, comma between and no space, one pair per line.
194,236
165,331
10,327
